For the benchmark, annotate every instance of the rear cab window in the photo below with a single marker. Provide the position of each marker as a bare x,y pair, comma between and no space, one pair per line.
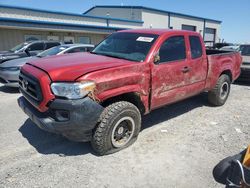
195,46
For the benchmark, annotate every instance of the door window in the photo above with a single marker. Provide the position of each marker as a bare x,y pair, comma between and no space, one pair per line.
84,40
36,46
77,49
51,44
173,49
196,48
32,37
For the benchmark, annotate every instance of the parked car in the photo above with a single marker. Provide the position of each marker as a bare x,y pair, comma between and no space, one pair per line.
221,44
230,48
245,67
9,70
25,49
100,96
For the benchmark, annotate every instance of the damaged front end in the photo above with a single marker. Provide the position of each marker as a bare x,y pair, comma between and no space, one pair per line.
74,119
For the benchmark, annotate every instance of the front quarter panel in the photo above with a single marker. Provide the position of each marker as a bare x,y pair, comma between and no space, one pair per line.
121,80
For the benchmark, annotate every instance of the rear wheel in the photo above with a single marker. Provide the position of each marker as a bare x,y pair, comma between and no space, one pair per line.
218,96
117,129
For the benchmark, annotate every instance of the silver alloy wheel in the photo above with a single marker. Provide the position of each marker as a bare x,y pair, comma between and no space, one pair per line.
122,132
224,90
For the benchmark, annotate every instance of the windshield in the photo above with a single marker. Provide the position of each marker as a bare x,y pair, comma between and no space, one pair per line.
52,51
18,47
130,46
245,50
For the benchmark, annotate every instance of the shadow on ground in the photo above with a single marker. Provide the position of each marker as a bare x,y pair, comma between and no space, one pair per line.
174,110
48,143
9,89
242,83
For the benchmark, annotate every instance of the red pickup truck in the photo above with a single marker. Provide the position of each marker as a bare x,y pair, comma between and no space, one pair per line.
100,96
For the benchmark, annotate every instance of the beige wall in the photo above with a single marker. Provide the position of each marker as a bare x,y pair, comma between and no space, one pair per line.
124,13
113,23
50,17
154,19
177,21
11,37
33,15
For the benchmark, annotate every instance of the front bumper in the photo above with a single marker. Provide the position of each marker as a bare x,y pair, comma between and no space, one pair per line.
81,119
9,78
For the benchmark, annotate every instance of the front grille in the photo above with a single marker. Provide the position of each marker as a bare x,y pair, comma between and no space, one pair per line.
30,88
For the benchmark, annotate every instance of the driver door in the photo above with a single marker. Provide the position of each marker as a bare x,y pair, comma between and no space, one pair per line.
170,74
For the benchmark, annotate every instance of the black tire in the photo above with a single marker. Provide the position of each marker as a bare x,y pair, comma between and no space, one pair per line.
218,96
119,114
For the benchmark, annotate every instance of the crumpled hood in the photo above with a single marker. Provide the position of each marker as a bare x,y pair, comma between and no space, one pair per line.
69,67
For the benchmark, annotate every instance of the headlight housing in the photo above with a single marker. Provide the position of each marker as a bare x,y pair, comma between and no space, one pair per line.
75,90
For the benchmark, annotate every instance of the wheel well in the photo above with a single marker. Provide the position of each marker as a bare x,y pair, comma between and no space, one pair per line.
229,73
133,98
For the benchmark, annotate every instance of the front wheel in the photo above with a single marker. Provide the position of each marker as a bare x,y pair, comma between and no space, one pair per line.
117,129
218,96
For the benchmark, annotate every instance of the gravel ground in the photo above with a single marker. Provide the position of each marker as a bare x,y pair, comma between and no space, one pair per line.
178,147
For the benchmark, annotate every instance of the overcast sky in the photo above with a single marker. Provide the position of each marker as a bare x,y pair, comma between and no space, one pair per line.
234,14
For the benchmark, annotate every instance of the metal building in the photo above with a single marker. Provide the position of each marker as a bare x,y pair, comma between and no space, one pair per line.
19,24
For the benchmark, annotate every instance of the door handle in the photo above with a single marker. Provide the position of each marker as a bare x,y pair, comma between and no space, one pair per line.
185,69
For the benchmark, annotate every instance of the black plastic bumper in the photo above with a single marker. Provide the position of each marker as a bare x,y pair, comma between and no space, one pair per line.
79,117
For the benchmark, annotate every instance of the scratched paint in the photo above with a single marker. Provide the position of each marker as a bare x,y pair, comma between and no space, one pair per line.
157,85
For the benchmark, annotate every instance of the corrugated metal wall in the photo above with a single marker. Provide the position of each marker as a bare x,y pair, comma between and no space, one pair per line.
11,37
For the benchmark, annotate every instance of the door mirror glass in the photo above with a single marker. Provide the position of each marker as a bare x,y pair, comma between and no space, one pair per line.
27,51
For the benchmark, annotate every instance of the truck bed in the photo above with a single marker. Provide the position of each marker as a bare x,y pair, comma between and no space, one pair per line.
220,61
218,52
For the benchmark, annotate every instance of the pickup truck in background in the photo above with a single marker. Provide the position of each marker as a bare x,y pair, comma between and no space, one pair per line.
100,96
245,67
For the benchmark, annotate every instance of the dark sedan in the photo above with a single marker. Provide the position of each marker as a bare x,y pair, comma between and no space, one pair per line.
26,49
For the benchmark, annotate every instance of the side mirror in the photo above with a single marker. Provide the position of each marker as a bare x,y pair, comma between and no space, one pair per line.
157,58
27,51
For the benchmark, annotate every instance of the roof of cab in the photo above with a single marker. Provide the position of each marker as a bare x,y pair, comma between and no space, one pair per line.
157,31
